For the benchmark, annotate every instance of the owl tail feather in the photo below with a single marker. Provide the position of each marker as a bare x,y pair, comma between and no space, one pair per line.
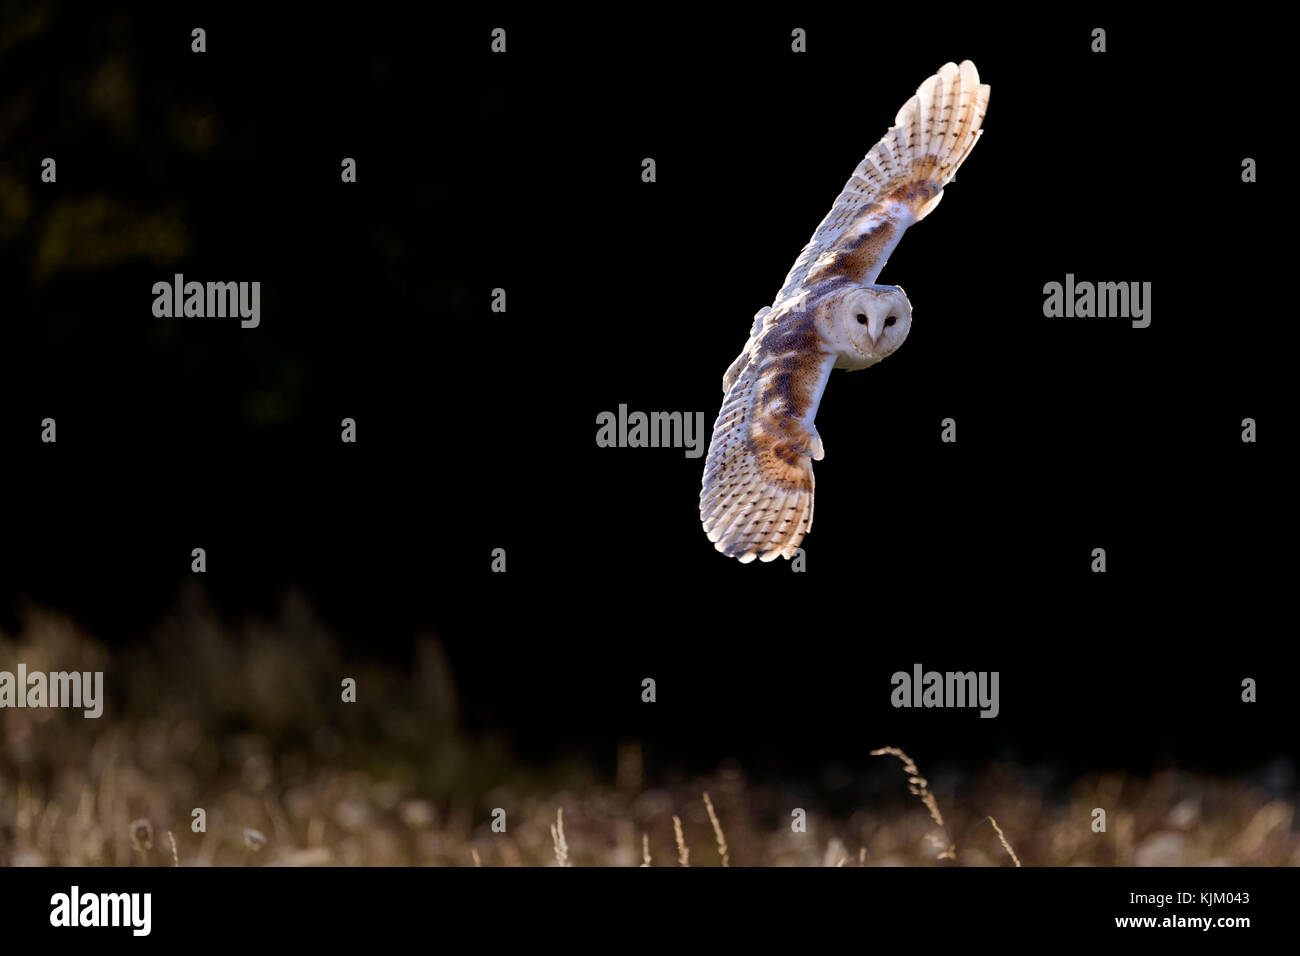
931,137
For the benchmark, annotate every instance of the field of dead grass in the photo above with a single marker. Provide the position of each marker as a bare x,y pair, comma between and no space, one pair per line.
245,725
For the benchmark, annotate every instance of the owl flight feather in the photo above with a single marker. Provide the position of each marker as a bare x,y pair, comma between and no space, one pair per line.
757,497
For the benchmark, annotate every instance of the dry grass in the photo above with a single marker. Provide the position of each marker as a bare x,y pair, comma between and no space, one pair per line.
683,851
557,838
920,786
717,831
233,721
1003,837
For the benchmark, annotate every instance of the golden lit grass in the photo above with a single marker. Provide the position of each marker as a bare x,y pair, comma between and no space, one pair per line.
920,786
1003,837
557,838
683,851
287,778
717,831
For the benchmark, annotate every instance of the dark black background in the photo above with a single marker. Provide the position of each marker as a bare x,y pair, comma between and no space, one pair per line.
476,430
352,906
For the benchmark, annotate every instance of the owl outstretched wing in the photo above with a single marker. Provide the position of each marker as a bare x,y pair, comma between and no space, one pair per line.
899,181
757,499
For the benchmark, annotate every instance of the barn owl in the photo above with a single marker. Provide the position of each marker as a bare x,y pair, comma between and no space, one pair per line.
757,498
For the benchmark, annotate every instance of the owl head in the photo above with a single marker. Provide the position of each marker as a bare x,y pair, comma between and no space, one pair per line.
864,323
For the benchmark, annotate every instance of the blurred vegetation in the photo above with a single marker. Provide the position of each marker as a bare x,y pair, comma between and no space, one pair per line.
68,106
245,719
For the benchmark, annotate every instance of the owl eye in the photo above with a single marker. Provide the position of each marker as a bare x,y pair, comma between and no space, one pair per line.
890,321
862,319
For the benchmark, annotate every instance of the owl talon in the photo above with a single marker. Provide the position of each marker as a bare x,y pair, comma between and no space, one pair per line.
815,445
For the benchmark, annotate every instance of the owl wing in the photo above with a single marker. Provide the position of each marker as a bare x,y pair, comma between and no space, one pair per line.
757,498
738,366
899,181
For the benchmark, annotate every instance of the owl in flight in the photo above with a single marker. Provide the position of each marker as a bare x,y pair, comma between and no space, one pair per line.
757,499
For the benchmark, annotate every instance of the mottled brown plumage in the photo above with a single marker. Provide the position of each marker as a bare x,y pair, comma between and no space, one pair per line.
757,495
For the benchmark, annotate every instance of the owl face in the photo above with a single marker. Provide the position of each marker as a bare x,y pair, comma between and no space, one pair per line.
863,324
